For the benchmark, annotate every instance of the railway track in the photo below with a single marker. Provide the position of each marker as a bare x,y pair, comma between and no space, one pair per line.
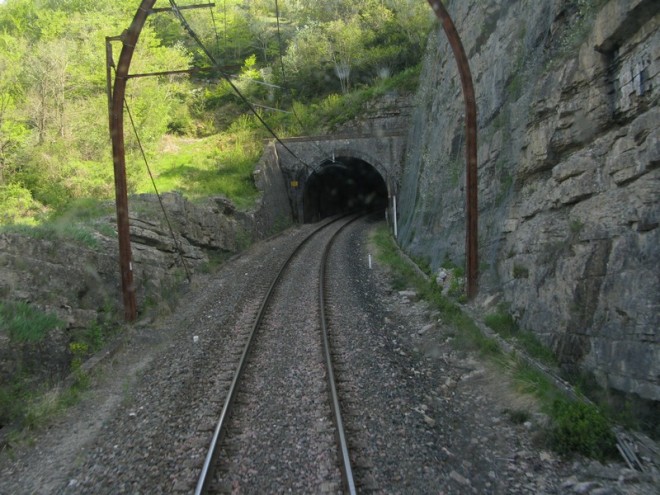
280,426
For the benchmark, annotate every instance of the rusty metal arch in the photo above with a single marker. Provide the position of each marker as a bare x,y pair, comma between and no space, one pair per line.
472,203
129,39
116,98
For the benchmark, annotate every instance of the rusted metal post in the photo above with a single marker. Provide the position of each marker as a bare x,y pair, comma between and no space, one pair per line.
472,203
129,39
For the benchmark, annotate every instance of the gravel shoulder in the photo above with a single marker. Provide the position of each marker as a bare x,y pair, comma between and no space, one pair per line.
113,440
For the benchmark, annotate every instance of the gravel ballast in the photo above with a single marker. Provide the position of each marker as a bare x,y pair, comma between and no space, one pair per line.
421,416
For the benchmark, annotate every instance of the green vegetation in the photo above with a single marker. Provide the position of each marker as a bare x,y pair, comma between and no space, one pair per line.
575,427
405,276
423,265
25,323
576,226
518,416
26,406
581,14
326,63
520,271
79,233
506,182
456,280
202,167
506,327
581,428
26,400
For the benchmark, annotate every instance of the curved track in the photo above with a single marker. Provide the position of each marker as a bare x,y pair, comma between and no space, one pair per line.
262,358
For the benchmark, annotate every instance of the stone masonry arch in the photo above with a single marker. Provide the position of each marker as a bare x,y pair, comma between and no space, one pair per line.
300,158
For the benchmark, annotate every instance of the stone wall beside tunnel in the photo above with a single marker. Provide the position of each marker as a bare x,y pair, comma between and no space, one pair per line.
569,182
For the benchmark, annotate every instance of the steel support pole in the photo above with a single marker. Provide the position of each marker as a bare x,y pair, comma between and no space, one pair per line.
129,39
472,203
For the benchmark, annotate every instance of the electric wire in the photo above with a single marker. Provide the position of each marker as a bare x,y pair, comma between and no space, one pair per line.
215,30
279,40
195,37
284,81
160,199
224,34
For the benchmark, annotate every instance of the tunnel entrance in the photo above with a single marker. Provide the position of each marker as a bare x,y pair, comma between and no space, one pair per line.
342,185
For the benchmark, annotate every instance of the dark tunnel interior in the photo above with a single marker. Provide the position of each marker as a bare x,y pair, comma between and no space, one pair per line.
343,185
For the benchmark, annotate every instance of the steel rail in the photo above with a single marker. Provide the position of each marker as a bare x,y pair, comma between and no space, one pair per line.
347,471
206,474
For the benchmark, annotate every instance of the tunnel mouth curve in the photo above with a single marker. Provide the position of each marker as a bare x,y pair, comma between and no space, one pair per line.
342,185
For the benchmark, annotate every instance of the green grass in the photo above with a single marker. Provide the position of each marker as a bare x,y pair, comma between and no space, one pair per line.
26,323
327,113
223,163
575,427
520,271
506,327
78,222
581,428
24,407
218,165
56,230
468,335
27,400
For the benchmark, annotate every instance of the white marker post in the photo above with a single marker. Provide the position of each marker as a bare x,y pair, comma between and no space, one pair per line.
369,262
396,230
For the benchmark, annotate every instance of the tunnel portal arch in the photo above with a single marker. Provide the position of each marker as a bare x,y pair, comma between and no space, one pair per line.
342,184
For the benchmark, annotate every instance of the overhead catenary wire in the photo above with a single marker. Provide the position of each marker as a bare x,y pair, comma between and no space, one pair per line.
215,30
271,108
284,81
255,81
160,199
279,40
195,37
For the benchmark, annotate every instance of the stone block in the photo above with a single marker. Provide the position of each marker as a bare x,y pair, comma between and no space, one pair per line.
576,189
510,225
575,165
619,19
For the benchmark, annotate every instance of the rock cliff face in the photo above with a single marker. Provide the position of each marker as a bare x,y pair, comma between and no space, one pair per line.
73,272
569,185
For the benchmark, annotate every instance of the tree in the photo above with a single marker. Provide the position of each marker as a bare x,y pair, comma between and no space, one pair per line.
13,132
46,78
306,60
346,46
264,36
53,107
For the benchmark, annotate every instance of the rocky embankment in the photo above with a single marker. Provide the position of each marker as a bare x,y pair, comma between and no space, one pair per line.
72,270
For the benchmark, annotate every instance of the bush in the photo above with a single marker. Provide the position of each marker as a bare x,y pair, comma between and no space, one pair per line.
17,205
581,428
502,322
58,229
11,402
